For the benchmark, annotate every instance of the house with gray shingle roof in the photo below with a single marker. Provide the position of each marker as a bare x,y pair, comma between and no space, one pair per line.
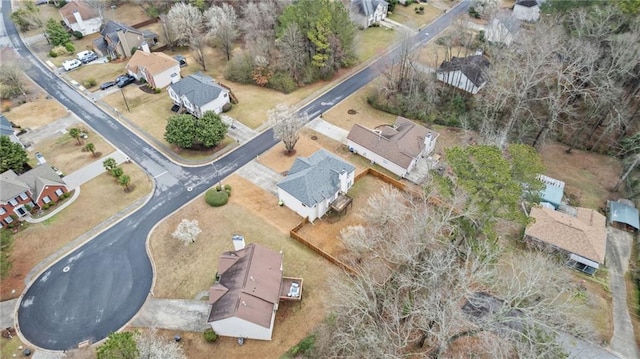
34,188
199,93
6,129
397,147
366,13
118,39
314,182
465,73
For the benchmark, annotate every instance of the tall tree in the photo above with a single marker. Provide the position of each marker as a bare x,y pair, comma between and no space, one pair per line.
222,23
184,21
75,133
198,45
292,51
13,157
27,16
12,80
91,148
56,33
286,125
118,346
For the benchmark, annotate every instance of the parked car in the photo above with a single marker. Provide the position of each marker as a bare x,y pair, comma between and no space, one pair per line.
107,84
124,80
71,64
90,57
181,60
57,171
40,158
82,54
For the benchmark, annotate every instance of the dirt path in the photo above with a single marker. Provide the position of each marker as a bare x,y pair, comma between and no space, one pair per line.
618,252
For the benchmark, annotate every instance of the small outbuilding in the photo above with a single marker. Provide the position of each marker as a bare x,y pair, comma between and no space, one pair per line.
553,191
624,215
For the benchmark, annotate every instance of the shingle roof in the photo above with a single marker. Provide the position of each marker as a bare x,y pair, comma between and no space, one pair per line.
313,179
40,177
110,30
367,7
199,88
5,127
471,66
400,143
154,62
83,9
584,235
10,186
527,3
249,285
623,213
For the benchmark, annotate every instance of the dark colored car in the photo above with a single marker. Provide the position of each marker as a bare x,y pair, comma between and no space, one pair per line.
107,84
124,80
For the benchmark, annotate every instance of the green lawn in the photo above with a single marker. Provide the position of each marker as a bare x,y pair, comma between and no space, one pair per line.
406,15
373,41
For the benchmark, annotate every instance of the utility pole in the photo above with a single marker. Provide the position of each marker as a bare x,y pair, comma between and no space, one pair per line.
125,99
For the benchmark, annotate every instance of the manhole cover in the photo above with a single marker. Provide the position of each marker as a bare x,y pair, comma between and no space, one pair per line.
352,111
314,138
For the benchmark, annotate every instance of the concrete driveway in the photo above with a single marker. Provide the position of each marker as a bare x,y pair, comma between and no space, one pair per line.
618,252
175,314
261,175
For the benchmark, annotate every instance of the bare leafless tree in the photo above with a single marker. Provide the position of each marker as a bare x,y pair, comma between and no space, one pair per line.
199,49
222,23
12,80
187,231
292,52
287,124
184,21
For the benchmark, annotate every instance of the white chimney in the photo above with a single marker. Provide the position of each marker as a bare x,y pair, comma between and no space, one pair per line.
78,17
145,47
238,242
428,143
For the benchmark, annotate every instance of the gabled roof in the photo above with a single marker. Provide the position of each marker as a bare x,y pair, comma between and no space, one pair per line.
584,235
367,7
527,3
249,285
472,67
81,7
199,88
110,31
400,143
10,186
315,178
623,213
154,62
509,22
5,127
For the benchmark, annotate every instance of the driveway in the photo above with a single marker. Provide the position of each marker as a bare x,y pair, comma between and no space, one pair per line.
53,129
175,314
261,175
618,252
328,129
92,170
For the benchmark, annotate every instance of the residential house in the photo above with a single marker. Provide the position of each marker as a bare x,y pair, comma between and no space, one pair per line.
366,13
6,129
502,29
199,93
465,73
314,183
582,238
33,188
77,15
119,40
397,147
624,215
245,297
156,68
527,10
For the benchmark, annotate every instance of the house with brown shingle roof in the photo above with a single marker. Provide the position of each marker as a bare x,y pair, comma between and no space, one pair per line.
583,238
396,147
248,288
158,69
79,16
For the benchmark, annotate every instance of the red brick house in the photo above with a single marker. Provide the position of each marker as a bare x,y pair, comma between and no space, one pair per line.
33,188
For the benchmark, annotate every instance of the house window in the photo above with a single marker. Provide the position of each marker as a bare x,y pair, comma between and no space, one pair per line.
174,74
8,220
226,94
13,202
47,199
59,192
23,195
2,211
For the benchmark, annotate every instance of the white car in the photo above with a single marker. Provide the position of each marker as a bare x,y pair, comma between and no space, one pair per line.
82,54
71,64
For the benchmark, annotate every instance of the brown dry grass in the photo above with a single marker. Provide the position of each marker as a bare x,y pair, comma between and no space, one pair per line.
65,153
406,15
99,72
36,113
365,115
40,240
374,41
589,177
182,272
596,306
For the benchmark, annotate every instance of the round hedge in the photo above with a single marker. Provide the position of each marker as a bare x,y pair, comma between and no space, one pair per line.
216,198
210,336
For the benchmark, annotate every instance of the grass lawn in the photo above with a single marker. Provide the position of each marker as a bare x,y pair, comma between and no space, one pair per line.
365,115
374,41
38,112
99,72
9,348
37,241
183,272
406,15
65,153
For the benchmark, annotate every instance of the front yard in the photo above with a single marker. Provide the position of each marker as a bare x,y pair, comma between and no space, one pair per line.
407,15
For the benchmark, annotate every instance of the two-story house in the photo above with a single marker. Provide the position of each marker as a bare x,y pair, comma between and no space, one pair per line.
199,93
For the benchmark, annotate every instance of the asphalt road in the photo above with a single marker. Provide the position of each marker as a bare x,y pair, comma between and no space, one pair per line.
100,286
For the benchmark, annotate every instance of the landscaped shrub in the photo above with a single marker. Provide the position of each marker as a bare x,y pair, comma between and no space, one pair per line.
283,82
210,336
53,53
227,107
158,90
216,198
90,82
52,203
59,50
69,47
66,195
46,206
77,34
304,347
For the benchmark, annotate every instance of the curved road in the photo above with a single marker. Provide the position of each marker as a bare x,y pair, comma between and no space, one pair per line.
99,287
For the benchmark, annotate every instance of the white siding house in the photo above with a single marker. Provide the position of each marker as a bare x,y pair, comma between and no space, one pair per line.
198,94
240,328
313,183
157,68
78,16
465,73
396,147
366,13
502,29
